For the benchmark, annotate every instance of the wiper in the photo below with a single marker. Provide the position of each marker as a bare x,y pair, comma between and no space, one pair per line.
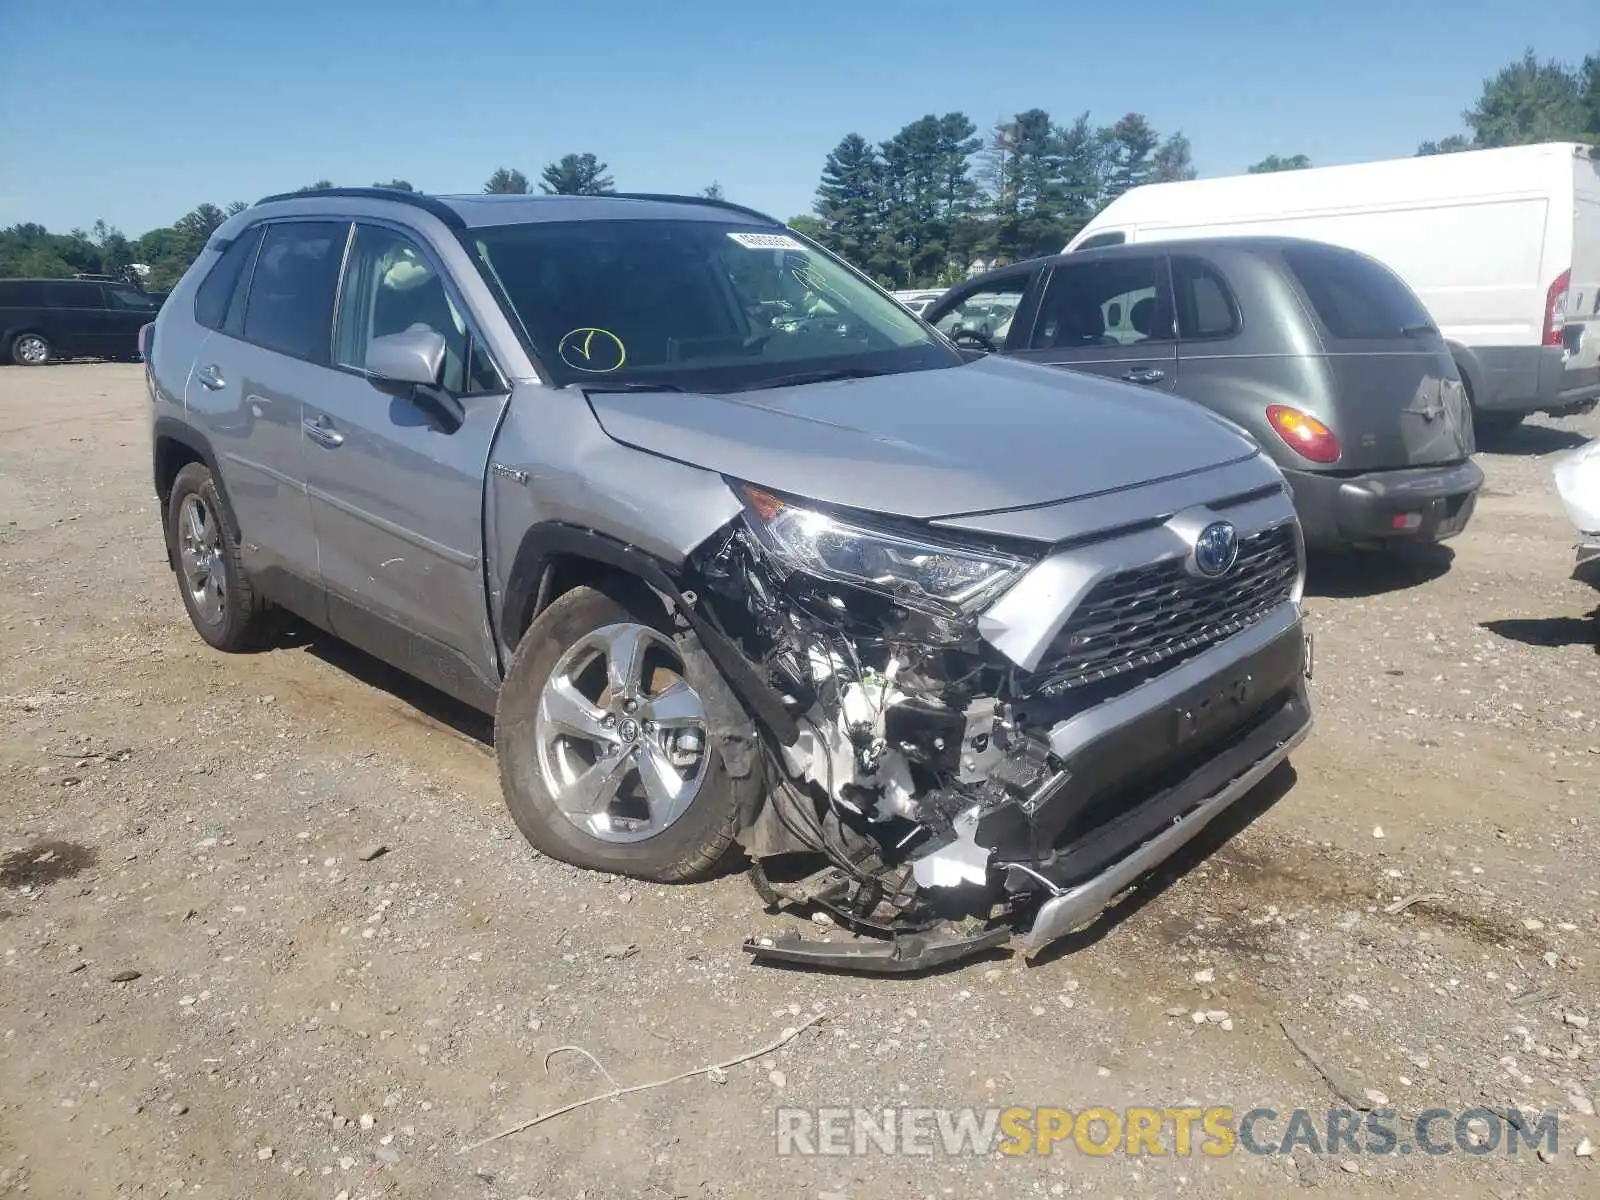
630,385
814,377
1418,329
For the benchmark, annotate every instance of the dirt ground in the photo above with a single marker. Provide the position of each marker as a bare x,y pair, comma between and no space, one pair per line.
307,1023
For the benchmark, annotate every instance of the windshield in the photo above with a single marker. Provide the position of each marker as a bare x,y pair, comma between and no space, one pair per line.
697,305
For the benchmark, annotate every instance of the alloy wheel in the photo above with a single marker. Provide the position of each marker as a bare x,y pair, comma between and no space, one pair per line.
621,736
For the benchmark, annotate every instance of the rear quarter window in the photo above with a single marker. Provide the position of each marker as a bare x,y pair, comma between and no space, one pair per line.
1355,298
216,294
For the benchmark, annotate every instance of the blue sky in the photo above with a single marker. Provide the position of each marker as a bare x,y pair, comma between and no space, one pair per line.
136,111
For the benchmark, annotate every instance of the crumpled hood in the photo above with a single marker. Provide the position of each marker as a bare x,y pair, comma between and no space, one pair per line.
993,434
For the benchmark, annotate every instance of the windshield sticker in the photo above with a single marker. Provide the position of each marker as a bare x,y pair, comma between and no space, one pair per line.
591,350
766,241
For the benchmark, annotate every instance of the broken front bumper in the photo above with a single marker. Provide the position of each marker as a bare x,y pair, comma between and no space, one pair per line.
1146,772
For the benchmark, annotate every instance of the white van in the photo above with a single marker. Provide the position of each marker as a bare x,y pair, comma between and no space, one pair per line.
1503,246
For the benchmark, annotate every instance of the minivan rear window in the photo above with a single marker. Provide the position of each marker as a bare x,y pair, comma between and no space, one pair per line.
1355,298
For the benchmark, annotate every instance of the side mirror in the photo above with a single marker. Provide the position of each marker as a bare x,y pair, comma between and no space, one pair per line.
398,363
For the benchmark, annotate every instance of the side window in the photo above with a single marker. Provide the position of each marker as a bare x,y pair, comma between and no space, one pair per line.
390,286
130,299
24,293
224,281
291,291
1115,302
1205,304
1115,238
987,311
64,293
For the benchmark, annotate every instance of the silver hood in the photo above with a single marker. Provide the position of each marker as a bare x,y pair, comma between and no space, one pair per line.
992,435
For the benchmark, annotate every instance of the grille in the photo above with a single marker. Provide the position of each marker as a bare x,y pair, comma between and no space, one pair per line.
1135,624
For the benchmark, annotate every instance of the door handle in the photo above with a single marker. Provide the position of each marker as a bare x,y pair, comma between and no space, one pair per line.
1148,375
322,432
210,377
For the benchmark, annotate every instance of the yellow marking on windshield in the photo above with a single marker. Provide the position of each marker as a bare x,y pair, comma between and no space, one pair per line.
578,350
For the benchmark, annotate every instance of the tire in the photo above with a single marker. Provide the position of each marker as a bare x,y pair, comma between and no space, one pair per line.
203,542
542,765
31,350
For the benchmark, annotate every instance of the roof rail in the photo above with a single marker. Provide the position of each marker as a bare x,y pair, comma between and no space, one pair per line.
665,198
428,204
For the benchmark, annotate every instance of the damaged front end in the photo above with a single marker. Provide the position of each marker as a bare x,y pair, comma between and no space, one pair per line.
989,734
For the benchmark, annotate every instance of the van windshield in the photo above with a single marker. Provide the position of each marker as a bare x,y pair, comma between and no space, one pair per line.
1355,297
694,305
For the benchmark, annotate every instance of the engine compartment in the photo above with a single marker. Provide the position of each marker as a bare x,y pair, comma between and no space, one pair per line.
908,733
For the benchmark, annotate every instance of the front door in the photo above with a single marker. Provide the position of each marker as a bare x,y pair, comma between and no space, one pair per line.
127,311
1108,315
396,486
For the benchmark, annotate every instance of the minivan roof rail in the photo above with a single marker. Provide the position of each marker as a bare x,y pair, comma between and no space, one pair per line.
428,204
667,198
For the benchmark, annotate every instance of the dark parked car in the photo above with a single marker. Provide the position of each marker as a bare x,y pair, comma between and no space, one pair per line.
1322,354
46,319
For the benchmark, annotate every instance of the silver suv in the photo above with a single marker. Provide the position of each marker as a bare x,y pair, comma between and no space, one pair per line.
738,552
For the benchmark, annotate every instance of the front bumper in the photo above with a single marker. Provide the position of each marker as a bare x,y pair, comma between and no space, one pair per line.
1425,504
1146,772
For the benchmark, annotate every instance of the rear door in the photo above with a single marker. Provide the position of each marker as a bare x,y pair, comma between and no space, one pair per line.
269,304
1110,315
397,490
78,320
1395,398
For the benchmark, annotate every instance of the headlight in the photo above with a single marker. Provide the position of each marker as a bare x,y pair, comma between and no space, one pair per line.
941,578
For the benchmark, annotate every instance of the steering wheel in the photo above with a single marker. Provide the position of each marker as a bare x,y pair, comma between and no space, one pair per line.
972,339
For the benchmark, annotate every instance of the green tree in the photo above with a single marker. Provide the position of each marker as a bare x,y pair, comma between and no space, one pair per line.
713,191
1173,161
318,186
807,224
398,185
927,194
1528,101
1589,76
506,182
1036,205
116,251
1273,163
849,201
1453,144
575,175
1130,146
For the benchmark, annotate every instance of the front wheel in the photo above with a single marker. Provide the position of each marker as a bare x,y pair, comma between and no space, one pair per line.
604,748
30,349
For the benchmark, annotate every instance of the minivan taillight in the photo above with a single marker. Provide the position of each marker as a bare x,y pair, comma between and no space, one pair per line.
1303,433
1555,309
147,339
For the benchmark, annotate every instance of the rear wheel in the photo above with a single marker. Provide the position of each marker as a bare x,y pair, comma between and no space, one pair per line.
205,546
604,749
30,349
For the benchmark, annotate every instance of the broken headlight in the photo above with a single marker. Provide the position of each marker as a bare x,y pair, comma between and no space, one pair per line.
942,578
